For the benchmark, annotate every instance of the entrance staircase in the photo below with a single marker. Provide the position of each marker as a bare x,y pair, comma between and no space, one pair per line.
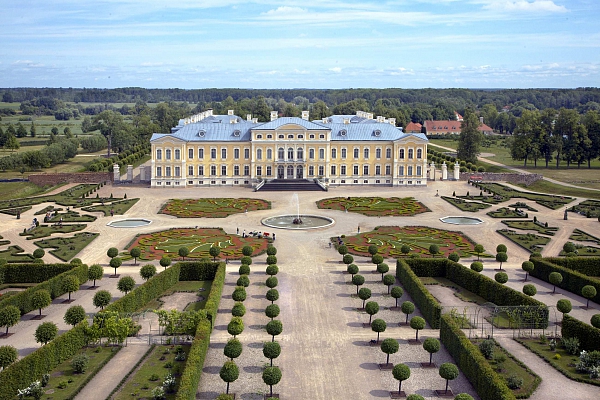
290,185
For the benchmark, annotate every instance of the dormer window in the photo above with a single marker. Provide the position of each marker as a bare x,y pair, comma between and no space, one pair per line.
300,136
269,136
237,133
259,136
281,137
201,133
377,133
343,132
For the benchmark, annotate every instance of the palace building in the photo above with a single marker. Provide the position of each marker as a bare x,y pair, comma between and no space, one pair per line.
212,150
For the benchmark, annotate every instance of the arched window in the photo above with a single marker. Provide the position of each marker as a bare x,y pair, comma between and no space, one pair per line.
159,154
321,154
259,154
168,154
299,154
280,153
402,154
410,154
177,154
419,153
333,153
290,153
311,154
269,154
366,153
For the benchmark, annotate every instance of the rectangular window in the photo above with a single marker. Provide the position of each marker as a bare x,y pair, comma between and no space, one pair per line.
191,170
223,170
158,172
177,154
246,153
236,153
418,170
401,170
236,170
311,171
334,153
213,170
343,153
177,171
322,154
365,170
410,171
168,154
246,170
213,153
378,170
343,170
356,170
258,170
333,170
378,153
159,154
366,153
269,171
223,154
321,170
388,153
190,154
356,152
311,154
388,169
201,153
168,171
200,170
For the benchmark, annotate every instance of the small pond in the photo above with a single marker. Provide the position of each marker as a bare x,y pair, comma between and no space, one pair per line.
461,220
297,222
129,223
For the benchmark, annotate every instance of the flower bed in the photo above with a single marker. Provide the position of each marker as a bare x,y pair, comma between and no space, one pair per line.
390,239
199,241
212,208
375,206
589,208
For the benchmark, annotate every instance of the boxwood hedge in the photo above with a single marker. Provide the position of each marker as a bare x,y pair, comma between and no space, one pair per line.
429,306
589,337
573,279
31,273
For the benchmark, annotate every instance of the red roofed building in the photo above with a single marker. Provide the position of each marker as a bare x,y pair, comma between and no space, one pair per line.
413,127
453,127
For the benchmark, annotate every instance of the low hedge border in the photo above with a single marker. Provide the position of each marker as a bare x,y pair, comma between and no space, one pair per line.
90,376
31,367
127,375
573,280
471,362
190,377
22,300
589,337
429,306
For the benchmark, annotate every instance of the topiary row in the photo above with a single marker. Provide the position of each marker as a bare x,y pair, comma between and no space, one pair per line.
429,306
124,158
573,280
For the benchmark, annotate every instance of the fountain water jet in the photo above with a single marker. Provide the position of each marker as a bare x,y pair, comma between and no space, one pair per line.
297,221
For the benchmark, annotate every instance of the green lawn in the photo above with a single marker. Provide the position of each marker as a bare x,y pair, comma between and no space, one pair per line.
544,186
529,241
582,236
459,291
468,206
119,207
532,226
15,254
66,248
375,206
17,190
505,212
183,286
47,230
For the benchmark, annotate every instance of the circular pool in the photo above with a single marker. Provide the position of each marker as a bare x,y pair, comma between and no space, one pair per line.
291,222
129,223
461,220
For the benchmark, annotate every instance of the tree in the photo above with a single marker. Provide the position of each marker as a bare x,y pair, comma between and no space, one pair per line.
112,252
243,281
348,259
595,321
272,295
478,249
8,355
248,260
477,266
235,326
233,349
271,350
229,373
417,323
74,315
271,250
405,249
396,293
342,250
589,292
352,269
45,332
528,267
454,256
501,248
434,249
245,269
377,259
183,252
32,130
382,268
389,346
364,294
165,261
238,309
449,372
274,328
271,282
95,272
407,308
38,253
239,294
501,277
272,311
555,278
214,252
501,257
147,271
470,138
271,376
9,316
371,308
401,373
569,248
378,325
529,290
135,253
41,299
463,396
389,280
272,270
564,306
247,251
358,280
70,284
126,284
431,345
102,298
110,124
372,249
115,263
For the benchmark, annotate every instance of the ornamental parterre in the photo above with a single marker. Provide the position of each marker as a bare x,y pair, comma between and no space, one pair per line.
375,206
212,207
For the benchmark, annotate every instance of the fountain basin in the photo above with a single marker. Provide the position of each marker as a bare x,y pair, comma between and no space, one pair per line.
129,223
461,220
308,222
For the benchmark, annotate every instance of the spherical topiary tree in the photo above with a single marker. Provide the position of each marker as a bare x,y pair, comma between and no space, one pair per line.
41,299
388,281
371,308
247,251
112,252
39,253
239,294
165,261
415,396
383,268
501,258
348,259
246,260
529,290
417,323
70,283
595,321
235,326
244,269
272,295
389,346
477,266
271,376
238,309
463,396
401,373
358,280
183,252
8,355
364,294
454,257
434,250
136,252
555,278
372,249
274,328
272,270
378,325
431,345
233,349
377,259
271,250
272,282
271,259
501,277
116,263
564,306
405,249
45,332
102,298
229,373
126,284
569,248
449,372
478,249
589,292
74,315
272,311
214,252
396,293
243,281
501,248
147,271
528,267
342,249
352,269
95,272
407,308
271,350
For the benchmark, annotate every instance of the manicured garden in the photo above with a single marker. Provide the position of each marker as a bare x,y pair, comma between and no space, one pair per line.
502,193
16,254
529,241
505,212
419,239
212,207
589,208
118,207
375,206
582,236
199,241
467,206
532,225
202,288
66,248
47,230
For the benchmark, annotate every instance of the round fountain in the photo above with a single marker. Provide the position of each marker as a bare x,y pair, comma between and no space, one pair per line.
129,223
297,221
461,220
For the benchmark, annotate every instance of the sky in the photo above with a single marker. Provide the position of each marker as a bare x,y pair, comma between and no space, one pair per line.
195,44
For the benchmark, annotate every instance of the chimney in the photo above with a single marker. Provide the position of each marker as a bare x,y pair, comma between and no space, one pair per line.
481,120
255,120
369,116
248,117
379,118
229,112
325,120
209,112
346,121
273,115
305,115
392,121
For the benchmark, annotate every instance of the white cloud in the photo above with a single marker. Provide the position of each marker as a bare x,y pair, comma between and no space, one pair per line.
285,10
524,5
337,70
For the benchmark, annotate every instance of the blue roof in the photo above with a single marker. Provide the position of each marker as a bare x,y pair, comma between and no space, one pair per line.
354,119
292,120
365,132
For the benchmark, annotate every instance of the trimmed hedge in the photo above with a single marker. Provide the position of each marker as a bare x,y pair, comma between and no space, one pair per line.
31,367
151,289
31,273
214,297
589,266
22,300
471,362
198,270
573,280
429,306
190,377
589,337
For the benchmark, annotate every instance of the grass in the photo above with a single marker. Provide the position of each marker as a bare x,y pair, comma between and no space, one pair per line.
584,251
505,212
528,241
509,366
47,230
64,372
589,208
65,248
119,207
71,216
183,286
69,197
139,384
212,207
459,291
467,206
565,364
18,190
15,254
582,236
533,226
549,187
375,206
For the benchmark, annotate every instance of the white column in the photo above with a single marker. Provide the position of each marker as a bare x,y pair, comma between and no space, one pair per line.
444,171
432,171
116,173
130,173
456,171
